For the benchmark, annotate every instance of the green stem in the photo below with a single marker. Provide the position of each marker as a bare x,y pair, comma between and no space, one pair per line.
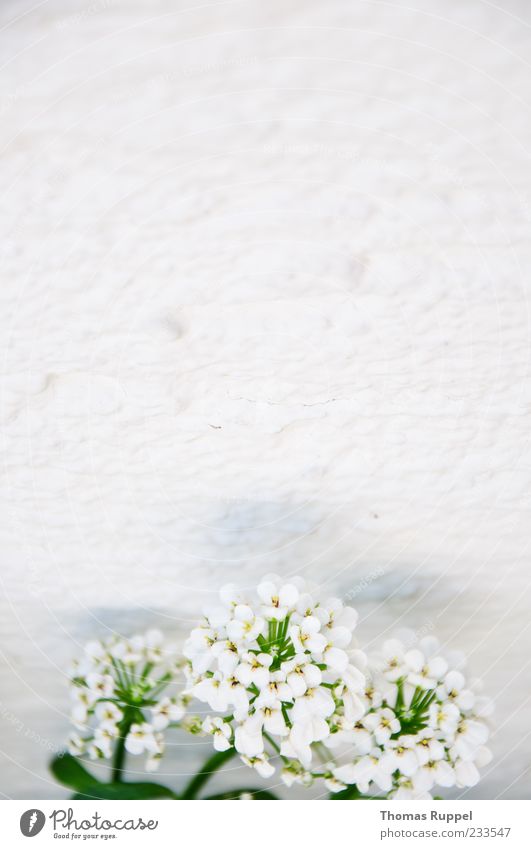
271,742
275,746
324,753
215,762
118,760
119,752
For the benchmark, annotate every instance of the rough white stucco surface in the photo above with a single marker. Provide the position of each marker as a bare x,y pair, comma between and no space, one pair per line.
264,307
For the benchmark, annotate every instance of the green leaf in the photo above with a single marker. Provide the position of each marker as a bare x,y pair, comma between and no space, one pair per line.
399,704
352,792
69,771
252,791
127,790
413,717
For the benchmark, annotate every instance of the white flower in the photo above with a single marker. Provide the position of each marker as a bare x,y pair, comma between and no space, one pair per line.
482,757
301,736
104,739
372,698
227,656
231,595
427,747
76,745
276,689
333,784
453,688
435,772
355,681
128,651
96,650
351,689
425,672
166,711
100,686
220,730
466,773
294,773
80,709
155,649
248,738
362,740
333,614
305,606
306,636
335,658
365,771
238,697
392,662
198,649
271,717
410,788
273,663
254,669
95,753
338,636
261,764
245,626
423,725
141,738
317,701
470,735
400,755
383,723
277,598
114,675
214,691
153,762
445,717
108,713
301,675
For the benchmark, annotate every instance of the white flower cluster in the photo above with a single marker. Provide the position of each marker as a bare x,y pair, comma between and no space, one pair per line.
274,664
116,693
424,725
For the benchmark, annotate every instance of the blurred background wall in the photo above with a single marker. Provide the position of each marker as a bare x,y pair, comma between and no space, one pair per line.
264,307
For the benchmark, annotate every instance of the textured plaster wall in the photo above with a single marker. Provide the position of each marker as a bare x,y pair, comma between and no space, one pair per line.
264,305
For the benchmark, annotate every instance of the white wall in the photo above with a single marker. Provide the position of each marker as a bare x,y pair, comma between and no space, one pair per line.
264,306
